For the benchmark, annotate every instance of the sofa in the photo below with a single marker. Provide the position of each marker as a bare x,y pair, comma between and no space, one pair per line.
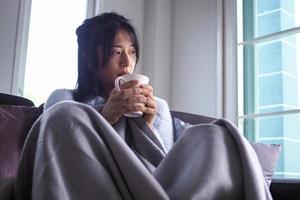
17,114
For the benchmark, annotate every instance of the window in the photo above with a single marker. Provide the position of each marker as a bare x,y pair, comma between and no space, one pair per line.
52,48
269,77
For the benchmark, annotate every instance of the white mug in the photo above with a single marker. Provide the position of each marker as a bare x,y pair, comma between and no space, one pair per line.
142,79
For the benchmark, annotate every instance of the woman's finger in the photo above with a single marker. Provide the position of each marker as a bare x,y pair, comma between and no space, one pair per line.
135,99
128,84
131,91
149,110
147,90
150,103
134,107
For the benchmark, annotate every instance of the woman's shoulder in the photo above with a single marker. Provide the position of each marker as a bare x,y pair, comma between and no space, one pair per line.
161,102
57,96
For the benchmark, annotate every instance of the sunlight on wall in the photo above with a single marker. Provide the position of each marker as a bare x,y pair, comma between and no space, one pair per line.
52,47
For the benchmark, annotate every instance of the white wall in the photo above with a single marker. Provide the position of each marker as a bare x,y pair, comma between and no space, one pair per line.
194,63
157,46
8,29
181,53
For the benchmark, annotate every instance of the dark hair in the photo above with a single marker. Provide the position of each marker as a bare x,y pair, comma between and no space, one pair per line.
98,31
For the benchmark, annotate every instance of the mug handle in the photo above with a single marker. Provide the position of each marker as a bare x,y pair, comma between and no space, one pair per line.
118,82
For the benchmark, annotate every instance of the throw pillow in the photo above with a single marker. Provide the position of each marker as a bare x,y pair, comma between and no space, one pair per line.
267,155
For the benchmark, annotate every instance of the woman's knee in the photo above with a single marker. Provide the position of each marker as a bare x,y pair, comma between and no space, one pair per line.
206,130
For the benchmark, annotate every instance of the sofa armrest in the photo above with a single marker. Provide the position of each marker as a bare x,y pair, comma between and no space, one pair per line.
7,188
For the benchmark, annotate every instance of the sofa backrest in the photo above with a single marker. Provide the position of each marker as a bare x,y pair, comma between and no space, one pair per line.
7,99
17,114
191,118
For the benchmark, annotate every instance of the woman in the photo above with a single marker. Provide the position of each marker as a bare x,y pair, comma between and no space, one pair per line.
107,48
87,149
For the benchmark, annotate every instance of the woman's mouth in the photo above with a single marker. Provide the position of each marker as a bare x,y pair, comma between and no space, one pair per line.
122,73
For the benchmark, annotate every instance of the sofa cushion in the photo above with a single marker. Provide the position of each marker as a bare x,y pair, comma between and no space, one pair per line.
16,122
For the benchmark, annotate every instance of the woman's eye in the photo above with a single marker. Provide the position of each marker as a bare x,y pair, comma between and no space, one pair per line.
132,52
116,52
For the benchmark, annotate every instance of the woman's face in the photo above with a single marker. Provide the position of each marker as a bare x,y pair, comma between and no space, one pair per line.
122,60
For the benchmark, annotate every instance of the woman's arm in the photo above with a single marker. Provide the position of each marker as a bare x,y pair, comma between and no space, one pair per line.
163,127
57,96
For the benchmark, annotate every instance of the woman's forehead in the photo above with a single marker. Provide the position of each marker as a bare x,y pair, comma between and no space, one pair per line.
122,38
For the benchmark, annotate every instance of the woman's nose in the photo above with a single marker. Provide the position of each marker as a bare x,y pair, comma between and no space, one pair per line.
125,60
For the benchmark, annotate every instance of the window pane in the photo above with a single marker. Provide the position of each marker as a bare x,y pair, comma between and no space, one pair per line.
277,74
283,130
52,48
272,75
272,16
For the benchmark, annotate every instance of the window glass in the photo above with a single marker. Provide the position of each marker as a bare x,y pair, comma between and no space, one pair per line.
52,48
272,16
273,70
269,78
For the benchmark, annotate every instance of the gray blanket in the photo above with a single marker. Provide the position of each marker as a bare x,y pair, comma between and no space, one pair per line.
73,153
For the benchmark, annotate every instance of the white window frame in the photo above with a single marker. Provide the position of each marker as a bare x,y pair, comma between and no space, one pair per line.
230,103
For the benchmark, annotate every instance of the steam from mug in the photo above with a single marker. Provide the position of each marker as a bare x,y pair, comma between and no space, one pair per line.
142,79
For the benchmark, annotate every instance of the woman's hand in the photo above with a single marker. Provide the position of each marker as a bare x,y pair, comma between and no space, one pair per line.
130,98
149,109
